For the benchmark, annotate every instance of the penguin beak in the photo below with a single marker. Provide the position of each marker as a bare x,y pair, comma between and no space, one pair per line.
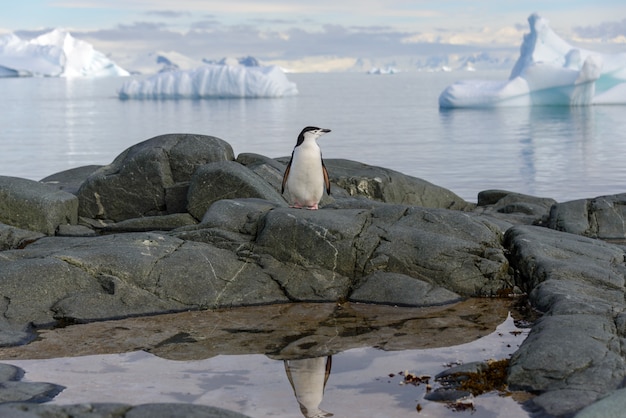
324,131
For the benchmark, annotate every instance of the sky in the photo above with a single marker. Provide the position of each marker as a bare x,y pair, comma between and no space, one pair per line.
273,30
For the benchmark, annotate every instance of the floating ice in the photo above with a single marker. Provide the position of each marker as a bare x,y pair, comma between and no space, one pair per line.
549,71
386,70
211,81
53,54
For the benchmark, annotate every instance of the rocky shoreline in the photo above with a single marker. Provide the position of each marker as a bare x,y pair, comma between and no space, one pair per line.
178,223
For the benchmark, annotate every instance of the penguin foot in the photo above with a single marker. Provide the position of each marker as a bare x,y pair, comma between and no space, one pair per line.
299,206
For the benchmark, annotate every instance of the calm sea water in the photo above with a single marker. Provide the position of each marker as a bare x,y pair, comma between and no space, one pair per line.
49,125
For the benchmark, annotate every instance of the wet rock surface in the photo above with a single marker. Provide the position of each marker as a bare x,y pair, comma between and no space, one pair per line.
574,353
12,389
91,410
175,223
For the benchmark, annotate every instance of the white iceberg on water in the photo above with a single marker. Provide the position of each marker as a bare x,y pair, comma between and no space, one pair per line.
212,81
53,54
549,71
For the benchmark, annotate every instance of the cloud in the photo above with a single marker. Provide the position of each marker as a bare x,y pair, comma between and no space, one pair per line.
204,24
212,40
168,14
142,27
605,30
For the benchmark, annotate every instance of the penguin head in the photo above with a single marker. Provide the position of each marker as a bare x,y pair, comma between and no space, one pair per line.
312,133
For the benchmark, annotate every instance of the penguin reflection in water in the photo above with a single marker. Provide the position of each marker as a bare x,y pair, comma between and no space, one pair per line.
306,176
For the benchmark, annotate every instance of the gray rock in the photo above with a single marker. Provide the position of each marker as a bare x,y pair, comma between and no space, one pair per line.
571,217
30,287
9,372
13,333
30,410
237,215
446,395
28,391
228,223
399,289
35,206
603,217
390,186
14,238
573,355
226,180
70,180
152,223
149,178
13,390
451,249
354,179
566,273
122,275
612,406
75,231
262,254
514,207
107,410
180,410
323,238
461,371
446,248
268,169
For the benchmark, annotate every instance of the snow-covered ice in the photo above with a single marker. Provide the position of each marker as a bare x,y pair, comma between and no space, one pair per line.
549,71
53,54
212,81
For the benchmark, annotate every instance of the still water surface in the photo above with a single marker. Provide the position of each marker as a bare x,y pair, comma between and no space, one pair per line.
349,359
49,125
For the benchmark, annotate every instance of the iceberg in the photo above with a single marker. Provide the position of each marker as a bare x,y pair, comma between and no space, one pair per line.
549,71
53,54
212,81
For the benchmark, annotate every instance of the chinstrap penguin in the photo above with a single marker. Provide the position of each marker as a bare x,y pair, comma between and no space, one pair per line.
306,176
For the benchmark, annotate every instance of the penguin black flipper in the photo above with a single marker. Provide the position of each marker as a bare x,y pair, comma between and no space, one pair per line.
282,189
326,178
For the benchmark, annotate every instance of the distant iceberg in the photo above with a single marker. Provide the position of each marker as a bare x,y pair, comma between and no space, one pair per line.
211,81
549,71
53,54
386,70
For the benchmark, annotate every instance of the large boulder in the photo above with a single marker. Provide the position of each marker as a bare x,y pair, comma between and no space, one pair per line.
573,355
514,207
451,249
357,179
124,275
389,186
14,238
269,169
250,251
149,178
12,389
226,180
70,180
603,217
35,206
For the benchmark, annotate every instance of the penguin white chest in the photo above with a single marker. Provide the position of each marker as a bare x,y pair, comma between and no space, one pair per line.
306,178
